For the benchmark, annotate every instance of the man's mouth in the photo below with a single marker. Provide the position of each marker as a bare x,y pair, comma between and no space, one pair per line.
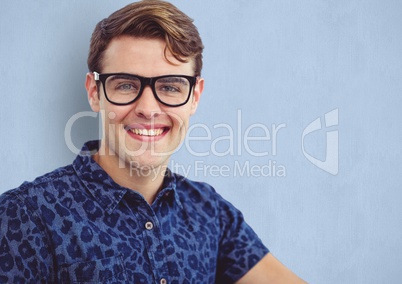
148,132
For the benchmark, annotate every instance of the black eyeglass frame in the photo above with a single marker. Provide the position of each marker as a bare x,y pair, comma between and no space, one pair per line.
145,81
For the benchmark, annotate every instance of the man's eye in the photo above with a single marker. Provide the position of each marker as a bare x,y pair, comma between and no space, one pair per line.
169,88
126,87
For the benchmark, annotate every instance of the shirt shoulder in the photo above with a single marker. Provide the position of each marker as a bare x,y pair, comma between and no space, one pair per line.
195,190
208,204
27,194
24,238
199,196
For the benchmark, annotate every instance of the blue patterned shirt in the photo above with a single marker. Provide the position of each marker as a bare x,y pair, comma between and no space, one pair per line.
76,225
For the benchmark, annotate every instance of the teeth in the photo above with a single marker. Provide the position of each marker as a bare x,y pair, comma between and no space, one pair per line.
147,132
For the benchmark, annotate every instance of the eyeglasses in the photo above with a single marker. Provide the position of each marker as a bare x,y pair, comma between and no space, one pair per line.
124,89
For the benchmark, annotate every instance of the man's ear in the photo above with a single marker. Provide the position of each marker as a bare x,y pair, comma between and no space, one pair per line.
92,92
198,89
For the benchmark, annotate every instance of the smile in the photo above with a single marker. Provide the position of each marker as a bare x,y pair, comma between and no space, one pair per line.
147,132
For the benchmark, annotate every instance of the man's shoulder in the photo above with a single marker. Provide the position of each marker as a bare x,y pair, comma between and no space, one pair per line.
48,182
185,185
199,194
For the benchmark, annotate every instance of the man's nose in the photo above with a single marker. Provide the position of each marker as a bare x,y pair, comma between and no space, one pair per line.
147,105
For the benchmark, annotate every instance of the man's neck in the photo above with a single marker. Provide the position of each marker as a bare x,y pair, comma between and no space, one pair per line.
148,182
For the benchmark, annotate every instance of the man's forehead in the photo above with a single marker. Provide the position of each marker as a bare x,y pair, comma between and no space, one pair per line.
125,51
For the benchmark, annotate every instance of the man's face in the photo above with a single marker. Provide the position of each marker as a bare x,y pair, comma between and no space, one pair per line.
146,132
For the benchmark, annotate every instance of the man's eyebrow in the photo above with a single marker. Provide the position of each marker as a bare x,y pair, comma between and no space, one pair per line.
123,76
173,80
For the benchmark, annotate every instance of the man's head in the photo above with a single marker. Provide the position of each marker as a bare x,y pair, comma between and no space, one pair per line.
145,62
151,19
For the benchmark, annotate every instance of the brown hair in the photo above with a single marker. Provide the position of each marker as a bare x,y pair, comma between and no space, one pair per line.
149,19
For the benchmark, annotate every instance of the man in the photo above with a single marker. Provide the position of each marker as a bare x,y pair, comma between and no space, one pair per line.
118,214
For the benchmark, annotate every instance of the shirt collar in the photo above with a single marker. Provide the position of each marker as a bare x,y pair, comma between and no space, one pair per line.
102,187
169,188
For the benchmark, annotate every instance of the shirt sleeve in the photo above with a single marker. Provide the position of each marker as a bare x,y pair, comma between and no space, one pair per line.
24,255
239,247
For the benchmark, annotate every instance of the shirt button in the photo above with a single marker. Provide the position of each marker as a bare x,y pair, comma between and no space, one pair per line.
149,226
163,281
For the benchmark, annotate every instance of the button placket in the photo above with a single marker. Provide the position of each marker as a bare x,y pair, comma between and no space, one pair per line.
153,243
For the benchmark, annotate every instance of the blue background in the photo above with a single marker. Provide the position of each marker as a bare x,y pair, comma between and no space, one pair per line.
272,62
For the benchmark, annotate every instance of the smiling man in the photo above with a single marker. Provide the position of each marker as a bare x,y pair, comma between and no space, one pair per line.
118,214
